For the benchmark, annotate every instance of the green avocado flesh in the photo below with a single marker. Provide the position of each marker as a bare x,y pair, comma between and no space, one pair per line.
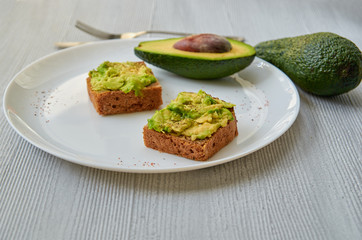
322,63
128,76
196,65
194,115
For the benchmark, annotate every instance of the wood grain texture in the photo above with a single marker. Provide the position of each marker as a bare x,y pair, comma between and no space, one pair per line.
305,185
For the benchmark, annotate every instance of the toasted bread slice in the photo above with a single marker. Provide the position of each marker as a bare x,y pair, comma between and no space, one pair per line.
199,150
108,102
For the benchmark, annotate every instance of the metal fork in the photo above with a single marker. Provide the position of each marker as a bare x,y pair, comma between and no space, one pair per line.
127,35
105,35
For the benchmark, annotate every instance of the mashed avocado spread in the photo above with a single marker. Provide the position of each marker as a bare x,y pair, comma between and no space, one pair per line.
195,115
126,77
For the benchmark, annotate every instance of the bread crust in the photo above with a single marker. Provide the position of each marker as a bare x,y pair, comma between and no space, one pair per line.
199,150
116,101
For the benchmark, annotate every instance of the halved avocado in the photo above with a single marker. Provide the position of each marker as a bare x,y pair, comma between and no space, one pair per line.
196,65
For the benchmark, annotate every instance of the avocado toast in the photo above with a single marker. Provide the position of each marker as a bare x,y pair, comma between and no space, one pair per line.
194,126
115,88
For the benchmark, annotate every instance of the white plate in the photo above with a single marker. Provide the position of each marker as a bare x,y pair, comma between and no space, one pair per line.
48,105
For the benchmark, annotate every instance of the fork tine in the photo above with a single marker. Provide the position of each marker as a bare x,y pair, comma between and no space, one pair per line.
95,32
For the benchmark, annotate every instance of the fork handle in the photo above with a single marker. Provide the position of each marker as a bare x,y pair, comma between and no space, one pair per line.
167,32
241,39
62,45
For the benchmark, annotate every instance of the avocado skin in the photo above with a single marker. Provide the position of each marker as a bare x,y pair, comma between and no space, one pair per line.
197,68
323,63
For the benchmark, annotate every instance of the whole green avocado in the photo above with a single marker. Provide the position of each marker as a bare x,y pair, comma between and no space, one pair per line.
323,63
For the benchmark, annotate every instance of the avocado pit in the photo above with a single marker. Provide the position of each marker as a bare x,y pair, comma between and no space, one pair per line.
206,42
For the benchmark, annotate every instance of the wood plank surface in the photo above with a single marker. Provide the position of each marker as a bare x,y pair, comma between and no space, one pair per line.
305,185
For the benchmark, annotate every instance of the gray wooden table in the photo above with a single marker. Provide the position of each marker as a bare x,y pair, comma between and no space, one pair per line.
304,185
